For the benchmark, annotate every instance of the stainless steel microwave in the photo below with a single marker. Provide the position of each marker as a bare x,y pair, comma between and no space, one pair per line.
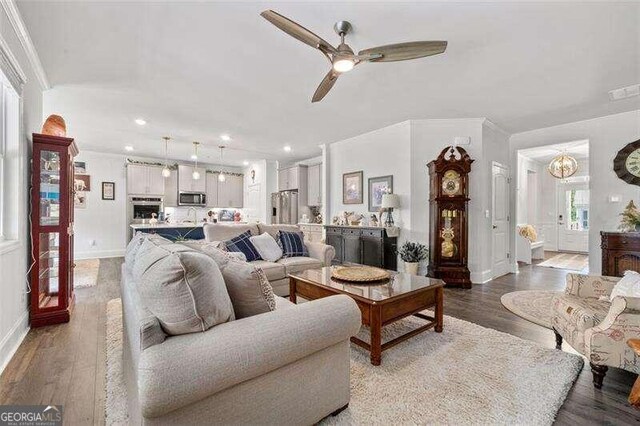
192,199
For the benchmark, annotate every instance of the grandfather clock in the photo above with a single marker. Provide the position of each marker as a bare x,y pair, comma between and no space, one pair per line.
448,227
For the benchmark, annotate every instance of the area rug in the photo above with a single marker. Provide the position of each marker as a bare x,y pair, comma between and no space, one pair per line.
570,261
85,274
116,400
465,375
532,305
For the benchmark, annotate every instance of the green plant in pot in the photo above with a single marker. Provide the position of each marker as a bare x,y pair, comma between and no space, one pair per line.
411,254
630,221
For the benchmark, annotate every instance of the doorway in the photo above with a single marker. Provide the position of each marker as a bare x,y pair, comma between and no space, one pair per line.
500,220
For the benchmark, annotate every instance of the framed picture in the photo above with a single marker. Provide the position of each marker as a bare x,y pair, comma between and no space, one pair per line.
82,182
80,200
352,188
80,167
108,190
377,187
226,215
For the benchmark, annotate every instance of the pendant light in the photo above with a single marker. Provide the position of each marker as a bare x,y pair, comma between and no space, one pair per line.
221,176
562,166
195,175
166,171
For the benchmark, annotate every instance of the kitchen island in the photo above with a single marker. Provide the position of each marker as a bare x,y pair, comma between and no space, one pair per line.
172,231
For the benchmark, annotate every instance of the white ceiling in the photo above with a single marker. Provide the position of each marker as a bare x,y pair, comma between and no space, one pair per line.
577,149
195,70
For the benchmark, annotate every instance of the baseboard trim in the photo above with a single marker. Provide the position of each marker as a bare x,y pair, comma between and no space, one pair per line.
98,254
13,340
481,277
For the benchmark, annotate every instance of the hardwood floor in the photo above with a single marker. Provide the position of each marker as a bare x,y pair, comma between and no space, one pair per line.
66,364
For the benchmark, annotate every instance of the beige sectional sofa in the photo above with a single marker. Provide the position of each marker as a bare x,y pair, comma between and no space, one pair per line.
287,366
319,254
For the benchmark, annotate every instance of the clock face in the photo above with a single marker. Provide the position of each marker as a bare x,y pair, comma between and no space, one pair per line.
451,183
627,163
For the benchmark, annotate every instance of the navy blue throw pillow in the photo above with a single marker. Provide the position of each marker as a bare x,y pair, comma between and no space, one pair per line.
292,244
243,244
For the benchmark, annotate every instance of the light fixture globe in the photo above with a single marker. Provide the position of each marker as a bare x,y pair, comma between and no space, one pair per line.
222,177
166,172
563,166
195,175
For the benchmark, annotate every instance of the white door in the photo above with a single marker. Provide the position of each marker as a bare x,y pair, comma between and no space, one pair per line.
573,217
500,221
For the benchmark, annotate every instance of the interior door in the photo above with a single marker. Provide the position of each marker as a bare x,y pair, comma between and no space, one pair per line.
573,217
500,225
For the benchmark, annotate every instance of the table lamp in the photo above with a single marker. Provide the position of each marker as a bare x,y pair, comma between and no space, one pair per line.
390,202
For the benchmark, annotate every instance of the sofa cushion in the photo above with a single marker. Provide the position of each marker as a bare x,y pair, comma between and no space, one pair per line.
132,248
628,286
183,288
248,285
292,244
226,231
274,271
583,312
297,264
242,243
274,229
267,247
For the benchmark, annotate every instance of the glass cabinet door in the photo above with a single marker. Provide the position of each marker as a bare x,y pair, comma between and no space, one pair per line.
49,188
49,270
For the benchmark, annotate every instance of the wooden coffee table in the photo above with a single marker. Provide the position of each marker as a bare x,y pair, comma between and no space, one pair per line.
380,303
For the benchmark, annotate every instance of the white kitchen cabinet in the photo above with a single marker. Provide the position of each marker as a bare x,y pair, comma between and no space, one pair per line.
171,189
230,192
312,232
314,185
237,191
186,182
212,189
283,179
145,180
291,178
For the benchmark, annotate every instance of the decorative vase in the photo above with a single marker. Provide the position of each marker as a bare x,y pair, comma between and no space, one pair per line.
411,267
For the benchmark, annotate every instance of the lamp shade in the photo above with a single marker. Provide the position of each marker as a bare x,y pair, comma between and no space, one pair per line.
390,201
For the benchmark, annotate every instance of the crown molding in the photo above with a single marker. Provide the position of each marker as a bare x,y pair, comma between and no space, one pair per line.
11,9
11,68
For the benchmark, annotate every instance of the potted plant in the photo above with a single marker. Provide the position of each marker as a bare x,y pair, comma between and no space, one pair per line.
630,218
411,254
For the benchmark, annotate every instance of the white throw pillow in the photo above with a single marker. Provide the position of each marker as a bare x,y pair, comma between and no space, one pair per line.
628,286
267,246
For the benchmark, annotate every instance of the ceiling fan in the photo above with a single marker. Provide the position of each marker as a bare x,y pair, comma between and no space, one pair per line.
343,58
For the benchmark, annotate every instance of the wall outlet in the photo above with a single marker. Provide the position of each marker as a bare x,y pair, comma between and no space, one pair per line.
462,140
614,198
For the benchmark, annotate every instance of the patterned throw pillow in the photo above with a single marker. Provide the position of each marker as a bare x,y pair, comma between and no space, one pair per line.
243,244
292,244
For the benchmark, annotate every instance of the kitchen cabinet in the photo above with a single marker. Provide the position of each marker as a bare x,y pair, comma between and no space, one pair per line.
364,245
312,232
145,180
314,185
171,189
230,192
291,178
186,182
212,189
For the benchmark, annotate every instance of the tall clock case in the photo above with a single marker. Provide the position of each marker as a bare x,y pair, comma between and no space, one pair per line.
448,219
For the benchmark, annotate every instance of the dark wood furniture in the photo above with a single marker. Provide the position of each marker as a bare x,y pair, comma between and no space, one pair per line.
448,227
620,252
364,245
380,303
52,202
634,395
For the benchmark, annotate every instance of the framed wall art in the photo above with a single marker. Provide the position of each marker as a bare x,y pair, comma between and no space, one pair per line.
352,188
108,191
377,187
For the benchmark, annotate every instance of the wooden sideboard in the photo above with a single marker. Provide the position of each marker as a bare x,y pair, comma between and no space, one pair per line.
364,245
620,252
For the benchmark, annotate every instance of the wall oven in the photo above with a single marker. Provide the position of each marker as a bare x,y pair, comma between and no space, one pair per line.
192,199
142,209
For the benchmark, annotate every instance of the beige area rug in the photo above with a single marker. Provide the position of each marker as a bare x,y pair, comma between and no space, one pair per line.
465,375
85,274
532,305
571,261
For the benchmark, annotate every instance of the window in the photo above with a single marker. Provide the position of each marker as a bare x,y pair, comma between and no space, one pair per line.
577,204
10,159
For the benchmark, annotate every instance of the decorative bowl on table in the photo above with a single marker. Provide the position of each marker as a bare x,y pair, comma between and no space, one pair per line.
359,274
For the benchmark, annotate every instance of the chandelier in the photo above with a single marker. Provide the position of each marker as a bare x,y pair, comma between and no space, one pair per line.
563,166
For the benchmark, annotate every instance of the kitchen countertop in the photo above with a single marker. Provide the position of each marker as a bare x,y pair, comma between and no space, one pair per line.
166,225
312,224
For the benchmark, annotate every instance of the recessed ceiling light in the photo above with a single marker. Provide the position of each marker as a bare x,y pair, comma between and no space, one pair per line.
245,162
194,157
140,121
225,137
287,148
128,148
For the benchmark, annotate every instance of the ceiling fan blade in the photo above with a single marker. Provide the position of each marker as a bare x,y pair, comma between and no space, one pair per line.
403,51
325,85
297,31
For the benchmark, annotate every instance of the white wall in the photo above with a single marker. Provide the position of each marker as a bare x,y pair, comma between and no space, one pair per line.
100,228
606,136
14,311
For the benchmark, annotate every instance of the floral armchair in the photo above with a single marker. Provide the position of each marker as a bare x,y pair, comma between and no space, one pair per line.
596,328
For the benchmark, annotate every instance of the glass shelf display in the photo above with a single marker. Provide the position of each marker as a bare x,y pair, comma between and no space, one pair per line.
52,229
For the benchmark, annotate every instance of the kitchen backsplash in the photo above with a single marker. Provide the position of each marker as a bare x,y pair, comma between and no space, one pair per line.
179,214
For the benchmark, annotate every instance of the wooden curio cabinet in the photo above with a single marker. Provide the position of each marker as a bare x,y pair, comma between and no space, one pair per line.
448,227
52,204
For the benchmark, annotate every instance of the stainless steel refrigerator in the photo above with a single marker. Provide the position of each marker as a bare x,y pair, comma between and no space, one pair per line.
284,207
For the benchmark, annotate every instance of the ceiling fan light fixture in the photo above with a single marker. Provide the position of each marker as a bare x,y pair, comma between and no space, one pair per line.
343,65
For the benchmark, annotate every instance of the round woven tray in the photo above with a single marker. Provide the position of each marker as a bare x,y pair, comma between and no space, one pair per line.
361,274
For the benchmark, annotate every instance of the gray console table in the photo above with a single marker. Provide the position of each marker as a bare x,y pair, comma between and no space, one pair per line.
365,245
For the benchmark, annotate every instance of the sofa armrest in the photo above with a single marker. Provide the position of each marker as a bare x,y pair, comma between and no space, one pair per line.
323,252
188,368
606,343
589,285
